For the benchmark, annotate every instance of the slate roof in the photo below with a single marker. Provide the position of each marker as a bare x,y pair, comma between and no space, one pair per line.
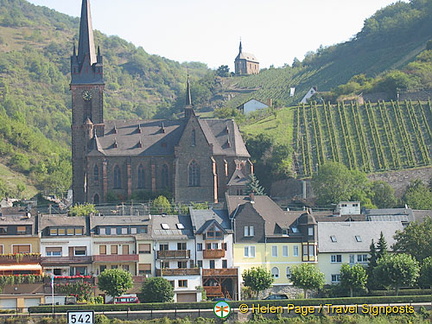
238,179
159,137
173,232
272,214
16,220
396,214
345,235
61,220
247,56
202,218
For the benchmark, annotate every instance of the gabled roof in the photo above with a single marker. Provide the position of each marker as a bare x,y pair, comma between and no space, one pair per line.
396,214
272,214
165,227
61,220
238,179
203,218
344,235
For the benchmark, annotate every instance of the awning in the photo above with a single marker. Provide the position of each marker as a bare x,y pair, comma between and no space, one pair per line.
22,267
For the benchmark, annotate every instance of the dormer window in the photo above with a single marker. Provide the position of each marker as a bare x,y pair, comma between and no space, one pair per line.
333,238
214,233
358,238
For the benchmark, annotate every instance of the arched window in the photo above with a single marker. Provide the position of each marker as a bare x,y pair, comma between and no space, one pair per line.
194,174
165,176
141,177
117,177
96,199
193,138
96,174
275,272
288,272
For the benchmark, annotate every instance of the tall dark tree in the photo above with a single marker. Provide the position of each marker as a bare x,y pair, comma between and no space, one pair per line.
254,186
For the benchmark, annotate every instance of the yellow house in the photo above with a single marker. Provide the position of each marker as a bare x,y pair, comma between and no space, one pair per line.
267,236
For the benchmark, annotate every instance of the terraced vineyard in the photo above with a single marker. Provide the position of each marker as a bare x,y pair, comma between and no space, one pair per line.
369,137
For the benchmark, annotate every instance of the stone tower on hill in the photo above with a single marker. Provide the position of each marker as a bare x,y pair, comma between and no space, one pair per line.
192,159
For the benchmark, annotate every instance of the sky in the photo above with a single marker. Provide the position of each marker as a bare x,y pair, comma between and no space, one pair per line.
208,31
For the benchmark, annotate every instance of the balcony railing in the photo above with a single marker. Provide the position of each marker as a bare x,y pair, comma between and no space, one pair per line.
213,291
116,258
178,272
214,254
24,258
228,272
173,254
66,260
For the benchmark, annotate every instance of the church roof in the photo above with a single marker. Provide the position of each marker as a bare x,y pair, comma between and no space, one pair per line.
159,137
247,56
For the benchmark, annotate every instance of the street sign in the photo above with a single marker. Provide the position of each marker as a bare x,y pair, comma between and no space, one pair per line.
80,317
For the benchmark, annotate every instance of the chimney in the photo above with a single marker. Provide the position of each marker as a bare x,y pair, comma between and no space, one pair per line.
252,197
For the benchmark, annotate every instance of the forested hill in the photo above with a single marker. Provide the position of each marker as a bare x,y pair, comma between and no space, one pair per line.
389,40
35,48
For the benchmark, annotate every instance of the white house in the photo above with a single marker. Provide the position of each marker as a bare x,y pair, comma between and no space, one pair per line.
252,105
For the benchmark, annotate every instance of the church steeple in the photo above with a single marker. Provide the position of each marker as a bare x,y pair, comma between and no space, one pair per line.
86,66
188,107
240,47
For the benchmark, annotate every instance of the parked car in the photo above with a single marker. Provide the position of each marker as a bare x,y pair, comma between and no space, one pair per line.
276,296
125,300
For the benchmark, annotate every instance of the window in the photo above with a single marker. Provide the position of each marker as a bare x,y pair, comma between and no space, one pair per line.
163,247
53,251
125,249
165,176
125,267
114,249
96,199
1,249
165,264
199,263
312,250
102,249
144,268
21,248
21,229
181,246
117,177
96,175
351,258
336,258
102,231
249,231
215,246
335,278
102,268
194,174
3,230
275,272
183,283
310,231
182,264
274,250
224,264
212,264
78,271
141,177
285,250
144,248
288,272
362,258
61,231
214,233
249,251
78,231
80,250
296,250
358,238
70,231
333,238
199,247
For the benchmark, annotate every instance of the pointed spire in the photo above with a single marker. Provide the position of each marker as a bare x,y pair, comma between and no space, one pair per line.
86,47
240,47
188,93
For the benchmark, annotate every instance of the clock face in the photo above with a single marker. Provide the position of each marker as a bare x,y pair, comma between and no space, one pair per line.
87,95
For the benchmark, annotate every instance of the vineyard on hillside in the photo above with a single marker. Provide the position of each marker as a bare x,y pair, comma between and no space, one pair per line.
370,137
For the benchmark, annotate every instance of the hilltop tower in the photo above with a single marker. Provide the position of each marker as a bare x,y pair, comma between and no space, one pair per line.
245,63
87,86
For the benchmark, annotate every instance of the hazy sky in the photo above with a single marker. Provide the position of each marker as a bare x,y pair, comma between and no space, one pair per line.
207,31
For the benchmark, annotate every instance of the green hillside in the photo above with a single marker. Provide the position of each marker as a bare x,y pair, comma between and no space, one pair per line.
390,39
35,48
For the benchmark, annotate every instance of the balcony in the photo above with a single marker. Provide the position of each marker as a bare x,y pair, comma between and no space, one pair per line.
66,260
173,254
24,258
228,272
213,291
214,254
116,258
178,272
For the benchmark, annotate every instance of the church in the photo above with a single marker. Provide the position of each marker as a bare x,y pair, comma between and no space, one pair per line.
192,159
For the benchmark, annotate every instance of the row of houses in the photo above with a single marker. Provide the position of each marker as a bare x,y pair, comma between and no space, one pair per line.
205,251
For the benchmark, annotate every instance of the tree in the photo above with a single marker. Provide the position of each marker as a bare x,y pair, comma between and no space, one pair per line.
307,276
382,247
418,196
223,71
115,282
257,279
161,205
425,279
334,183
353,277
253,186
383,195
397,270
415,239
156,290
82,210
